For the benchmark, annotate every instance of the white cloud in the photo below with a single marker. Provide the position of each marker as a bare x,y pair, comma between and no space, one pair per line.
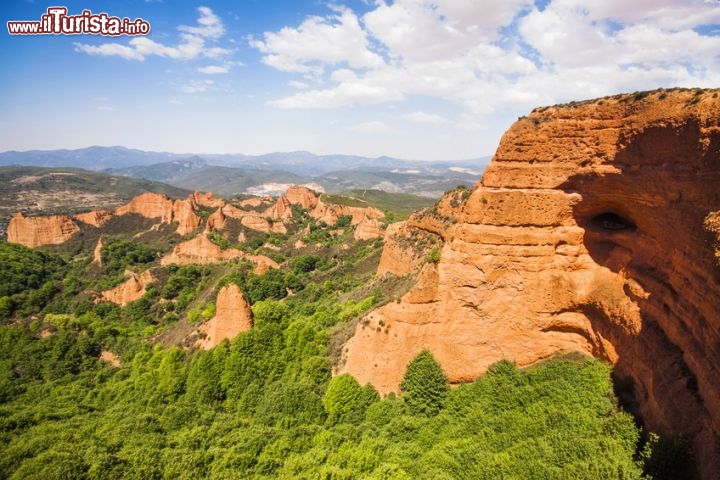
317,42
110,49
213,69
490,58
299,85
371,127
422,117
192,45
209,25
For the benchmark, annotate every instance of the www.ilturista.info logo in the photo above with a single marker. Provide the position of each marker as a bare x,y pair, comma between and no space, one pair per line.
57,22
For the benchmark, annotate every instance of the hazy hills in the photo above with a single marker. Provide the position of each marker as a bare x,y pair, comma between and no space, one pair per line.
62,190
237,173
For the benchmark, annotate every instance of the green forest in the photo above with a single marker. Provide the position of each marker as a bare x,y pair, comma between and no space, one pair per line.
265,405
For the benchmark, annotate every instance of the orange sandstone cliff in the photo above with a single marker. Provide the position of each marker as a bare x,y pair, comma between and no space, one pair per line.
202,251
36,231
233,316
131,289
596,229
159,206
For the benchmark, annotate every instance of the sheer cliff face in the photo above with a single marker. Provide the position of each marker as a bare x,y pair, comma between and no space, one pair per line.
596,229
36,231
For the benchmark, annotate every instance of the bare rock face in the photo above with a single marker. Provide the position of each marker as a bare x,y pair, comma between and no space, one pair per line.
36,231
233,316
149,205
257,223
405,249
329,213
594,229
131,289
216,221
156,205
183,212
96,218
202,251
206,200
368,229
97,253
282,210
255,202
302,196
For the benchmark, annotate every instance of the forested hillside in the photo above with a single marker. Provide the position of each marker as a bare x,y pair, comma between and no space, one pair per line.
92,389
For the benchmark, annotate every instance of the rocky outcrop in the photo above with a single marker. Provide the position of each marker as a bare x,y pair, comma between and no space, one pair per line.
133,288
216,221
255,202
594,229
96,218
37,231
112,359
233,316
282,210
149,205
158,206
368,229
329,213
406,249
184,214
97,253
302,196
262,224
206,200
201,250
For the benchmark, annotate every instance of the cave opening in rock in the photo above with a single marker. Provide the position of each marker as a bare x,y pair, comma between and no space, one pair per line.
611,221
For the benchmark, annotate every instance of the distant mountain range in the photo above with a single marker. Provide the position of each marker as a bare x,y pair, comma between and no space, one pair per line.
237,173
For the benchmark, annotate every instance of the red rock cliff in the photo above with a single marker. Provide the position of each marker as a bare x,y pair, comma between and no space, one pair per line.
595,228
233,316
36,231
156,205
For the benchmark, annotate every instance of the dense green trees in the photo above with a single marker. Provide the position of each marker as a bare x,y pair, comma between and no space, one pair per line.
118,254
28,279
346,401
425,385
264,405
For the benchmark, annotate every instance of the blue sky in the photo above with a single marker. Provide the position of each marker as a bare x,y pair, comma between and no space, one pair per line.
416,79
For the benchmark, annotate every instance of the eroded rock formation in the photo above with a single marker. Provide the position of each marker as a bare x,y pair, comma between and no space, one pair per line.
97,253
131,289
330,212
36,231
595,228
282,210
96,218
368,229
302,196
233,316
206,200
156,205
202,251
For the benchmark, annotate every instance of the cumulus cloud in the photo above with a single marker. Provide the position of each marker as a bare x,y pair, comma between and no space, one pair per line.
209,25
192,45
319,41
487,58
